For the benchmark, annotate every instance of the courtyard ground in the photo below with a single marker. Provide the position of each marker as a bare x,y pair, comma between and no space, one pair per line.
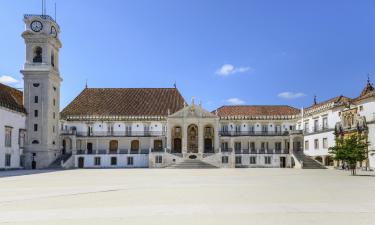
178,197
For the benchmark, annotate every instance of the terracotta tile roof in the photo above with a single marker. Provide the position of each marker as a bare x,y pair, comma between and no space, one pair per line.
339,100
257,110
11,98
125,102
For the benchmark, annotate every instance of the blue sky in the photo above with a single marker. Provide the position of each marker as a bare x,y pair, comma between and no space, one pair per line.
219,51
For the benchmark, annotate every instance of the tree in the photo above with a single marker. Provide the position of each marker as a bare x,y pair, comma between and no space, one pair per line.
350,150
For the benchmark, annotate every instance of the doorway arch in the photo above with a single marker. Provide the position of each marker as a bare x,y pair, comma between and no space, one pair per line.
192,138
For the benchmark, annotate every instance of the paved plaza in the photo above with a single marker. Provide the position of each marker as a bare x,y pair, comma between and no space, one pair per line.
178,197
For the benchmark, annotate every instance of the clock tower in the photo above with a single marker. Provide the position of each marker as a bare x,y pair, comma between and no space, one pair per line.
41,90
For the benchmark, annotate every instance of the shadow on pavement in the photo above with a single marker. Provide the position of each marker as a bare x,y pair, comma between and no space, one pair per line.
13,173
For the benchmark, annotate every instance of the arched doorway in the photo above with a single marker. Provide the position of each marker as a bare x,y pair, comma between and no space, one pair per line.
208,139
113,146
177,145
329,161
192,138
319,159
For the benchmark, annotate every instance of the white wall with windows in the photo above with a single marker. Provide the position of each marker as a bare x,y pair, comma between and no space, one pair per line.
111,161
12,138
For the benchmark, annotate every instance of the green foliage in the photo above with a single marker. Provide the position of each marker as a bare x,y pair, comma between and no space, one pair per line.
351,150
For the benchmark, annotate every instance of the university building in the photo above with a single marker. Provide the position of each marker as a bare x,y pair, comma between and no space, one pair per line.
156,127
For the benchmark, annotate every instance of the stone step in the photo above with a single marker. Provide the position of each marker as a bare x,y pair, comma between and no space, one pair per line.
192,164
308,163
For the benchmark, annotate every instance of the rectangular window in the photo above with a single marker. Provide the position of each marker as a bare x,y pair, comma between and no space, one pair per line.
264,128
238,159
306,145
224,159
267,160
35,127
53,129
252,146
8,137
113,161
158,159
36,99
54,102
224,146
237,146
8,159
21,138
325,123
361,108
130,161
316,125
306,127
253,160
97,161
35,113
54,115
325,143
316,144
278,146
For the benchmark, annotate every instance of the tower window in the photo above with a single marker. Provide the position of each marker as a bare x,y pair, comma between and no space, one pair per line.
54,115
54,102
35,127
35,113
36,99
36,84
52,59
37,55
35,142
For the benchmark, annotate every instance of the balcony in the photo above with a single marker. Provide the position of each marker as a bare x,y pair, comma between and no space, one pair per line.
253,133
262,151
112,152
121,134
316,130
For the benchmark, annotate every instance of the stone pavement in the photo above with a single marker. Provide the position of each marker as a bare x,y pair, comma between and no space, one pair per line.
178,197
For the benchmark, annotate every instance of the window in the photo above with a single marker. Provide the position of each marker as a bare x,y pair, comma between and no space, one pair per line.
238,159
36,99
37,55
325,123
113,161
35,142
267,160
316,125
8,137
306,145
238,128
264,128
306,127
325,143
21,138
278,146
97,161
53,129
36,84
52,59
252,146
361,108
224,159
8,159
253,160
35,127
158,159
35,113
54,102
224,146
316,144
134,146
53,115
130,161
224,128
237,146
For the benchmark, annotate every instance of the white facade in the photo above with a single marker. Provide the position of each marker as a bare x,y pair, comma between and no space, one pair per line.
11,149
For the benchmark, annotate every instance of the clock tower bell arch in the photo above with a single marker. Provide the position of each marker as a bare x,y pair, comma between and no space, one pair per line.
41,90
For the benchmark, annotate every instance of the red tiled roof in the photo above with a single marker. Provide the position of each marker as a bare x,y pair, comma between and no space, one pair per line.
11,98
257,110
125,102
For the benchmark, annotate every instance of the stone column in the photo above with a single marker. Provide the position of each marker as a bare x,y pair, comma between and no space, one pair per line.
74,145
200,138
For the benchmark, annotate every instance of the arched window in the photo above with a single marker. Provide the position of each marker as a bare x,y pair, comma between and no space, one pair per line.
113,146
134,145
37,55
52,58
35,142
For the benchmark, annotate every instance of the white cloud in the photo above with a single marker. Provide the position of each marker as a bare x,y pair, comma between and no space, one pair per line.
291,95
228,69
8,80
235,101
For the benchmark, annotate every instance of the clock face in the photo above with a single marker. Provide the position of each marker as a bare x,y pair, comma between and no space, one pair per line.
36,26
53,31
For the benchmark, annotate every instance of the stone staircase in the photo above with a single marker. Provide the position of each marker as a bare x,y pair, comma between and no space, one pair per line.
308,163
192,164
57,163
